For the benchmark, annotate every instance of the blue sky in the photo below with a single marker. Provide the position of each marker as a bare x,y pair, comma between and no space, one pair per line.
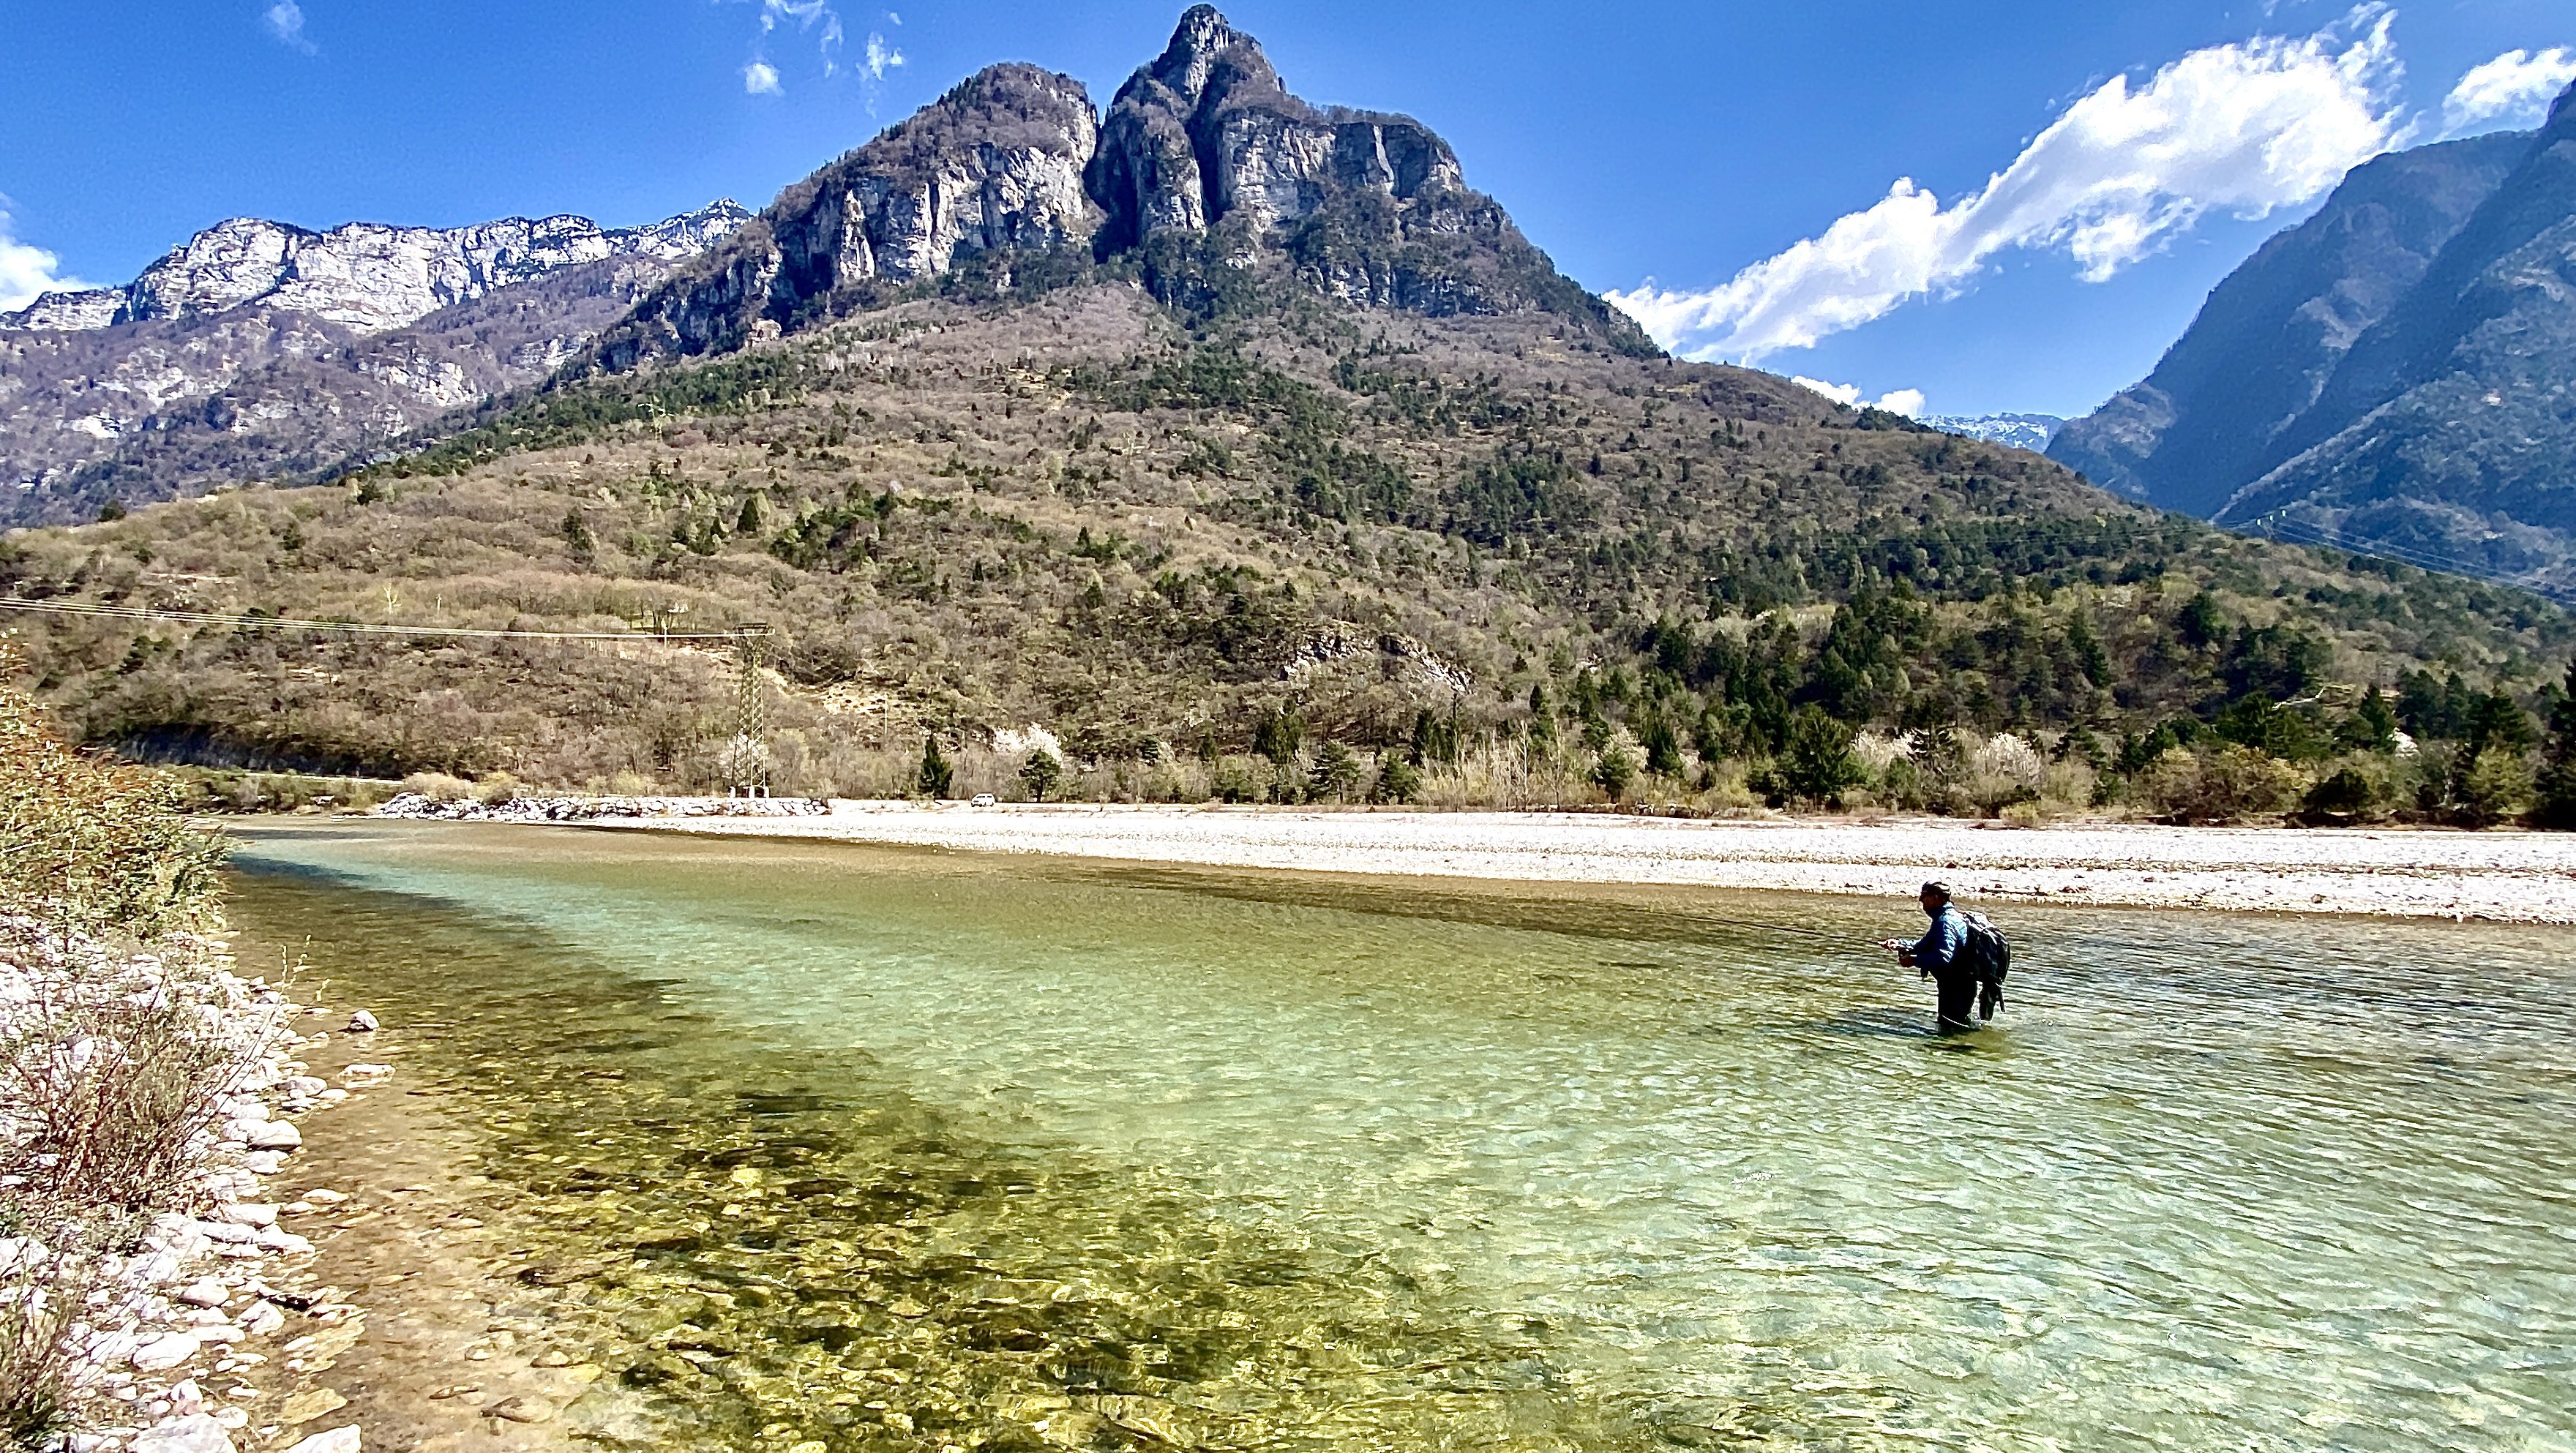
1697,145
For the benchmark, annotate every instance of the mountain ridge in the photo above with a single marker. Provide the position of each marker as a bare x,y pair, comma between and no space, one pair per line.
366,276
1204,166
257,350
2390,374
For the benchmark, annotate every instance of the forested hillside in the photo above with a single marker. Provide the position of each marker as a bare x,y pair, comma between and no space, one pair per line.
1239,452
1282,549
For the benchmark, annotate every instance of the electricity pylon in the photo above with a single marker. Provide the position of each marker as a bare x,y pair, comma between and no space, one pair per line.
747,760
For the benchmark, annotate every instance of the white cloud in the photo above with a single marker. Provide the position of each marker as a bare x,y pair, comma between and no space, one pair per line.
2249,127
813,17
28,271
881,57
1906,401
285,20
2515,87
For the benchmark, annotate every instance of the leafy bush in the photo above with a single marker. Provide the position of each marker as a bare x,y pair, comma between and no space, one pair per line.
2233,783
1397,781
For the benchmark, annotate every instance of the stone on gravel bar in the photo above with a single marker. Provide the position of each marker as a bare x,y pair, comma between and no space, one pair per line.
521,1410
205,1292
309,1404
164,1352
338,1440
274,1238
193,1433
275,1135
242,1214
363,1022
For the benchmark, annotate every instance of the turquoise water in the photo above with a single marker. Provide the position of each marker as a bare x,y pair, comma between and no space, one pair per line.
887,1148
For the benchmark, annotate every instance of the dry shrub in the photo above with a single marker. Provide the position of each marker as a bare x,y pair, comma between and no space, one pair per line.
438,786
2002,771
2232,784
119,1041
88,846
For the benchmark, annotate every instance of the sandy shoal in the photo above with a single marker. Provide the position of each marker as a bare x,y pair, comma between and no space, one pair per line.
2514,877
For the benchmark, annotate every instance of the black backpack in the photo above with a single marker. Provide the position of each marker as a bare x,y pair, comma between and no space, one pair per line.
1990,955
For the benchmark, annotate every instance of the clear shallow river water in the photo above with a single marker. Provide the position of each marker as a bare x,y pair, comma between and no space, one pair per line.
882,1148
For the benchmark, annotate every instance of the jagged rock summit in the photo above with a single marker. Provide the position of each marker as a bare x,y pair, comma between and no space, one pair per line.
1205,168
365,276
1207,131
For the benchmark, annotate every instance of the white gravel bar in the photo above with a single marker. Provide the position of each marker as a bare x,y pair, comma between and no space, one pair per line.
2514,877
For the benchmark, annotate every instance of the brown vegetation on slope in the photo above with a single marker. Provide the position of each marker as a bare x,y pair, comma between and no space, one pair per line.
1173,538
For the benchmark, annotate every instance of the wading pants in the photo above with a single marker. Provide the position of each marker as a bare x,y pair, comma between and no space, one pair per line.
1958,1002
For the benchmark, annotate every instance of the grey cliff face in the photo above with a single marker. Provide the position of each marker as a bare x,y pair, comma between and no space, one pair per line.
366,276
994,166
1202,142
1207,131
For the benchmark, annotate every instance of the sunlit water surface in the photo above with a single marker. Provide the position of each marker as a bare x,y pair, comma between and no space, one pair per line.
894,1149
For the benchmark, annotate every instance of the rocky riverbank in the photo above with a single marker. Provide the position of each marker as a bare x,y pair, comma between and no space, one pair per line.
2513,877
177,1339
587,809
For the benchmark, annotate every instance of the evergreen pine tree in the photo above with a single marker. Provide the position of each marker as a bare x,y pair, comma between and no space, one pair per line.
2556,798
936,774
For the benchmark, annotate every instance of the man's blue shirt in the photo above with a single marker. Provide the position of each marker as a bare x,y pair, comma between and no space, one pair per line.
1939,947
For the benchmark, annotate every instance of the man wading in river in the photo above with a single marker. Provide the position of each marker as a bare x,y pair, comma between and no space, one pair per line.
1964,955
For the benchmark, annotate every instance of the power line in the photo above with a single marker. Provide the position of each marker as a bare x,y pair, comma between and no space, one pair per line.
2301,533
103,610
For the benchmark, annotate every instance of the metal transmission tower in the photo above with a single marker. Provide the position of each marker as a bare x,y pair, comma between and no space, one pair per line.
747,759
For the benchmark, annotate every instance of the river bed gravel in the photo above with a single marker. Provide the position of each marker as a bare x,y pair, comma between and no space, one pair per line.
2511,877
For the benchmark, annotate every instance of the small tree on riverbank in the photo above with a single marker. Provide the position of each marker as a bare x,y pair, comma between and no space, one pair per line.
936,774
1039,773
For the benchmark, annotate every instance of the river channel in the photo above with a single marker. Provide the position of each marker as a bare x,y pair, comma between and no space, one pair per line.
880,1148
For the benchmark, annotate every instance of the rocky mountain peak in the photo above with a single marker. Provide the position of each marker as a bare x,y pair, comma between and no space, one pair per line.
1200,43
1208,130
1013,164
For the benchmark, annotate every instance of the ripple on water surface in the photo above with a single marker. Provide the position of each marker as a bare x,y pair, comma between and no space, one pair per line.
883,1148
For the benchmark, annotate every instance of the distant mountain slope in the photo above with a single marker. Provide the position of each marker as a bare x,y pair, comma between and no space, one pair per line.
2276,329
2022,431
2395,373
2450,427
257,350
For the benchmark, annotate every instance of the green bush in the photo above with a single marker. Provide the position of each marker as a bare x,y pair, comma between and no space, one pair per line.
1615,771
2231,784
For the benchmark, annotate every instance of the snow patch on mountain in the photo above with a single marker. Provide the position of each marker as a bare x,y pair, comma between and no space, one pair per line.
366,276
